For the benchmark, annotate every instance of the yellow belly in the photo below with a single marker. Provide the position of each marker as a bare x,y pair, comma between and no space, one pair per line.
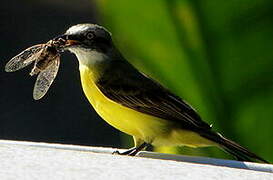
127,120
148,128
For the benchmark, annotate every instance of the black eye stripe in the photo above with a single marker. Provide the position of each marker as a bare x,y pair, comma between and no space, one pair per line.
75,37
101,40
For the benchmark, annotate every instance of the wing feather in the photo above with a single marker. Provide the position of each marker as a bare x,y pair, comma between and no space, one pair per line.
141,93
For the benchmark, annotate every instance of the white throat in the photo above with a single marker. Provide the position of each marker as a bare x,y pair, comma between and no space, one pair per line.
88,58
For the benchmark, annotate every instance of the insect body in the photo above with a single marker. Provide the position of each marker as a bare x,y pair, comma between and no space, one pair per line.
46,58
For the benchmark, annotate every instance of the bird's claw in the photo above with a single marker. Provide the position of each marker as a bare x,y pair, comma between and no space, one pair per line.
116,152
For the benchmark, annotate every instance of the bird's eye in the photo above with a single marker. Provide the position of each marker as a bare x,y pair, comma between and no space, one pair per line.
89,35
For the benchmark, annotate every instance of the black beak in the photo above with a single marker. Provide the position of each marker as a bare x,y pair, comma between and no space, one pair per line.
67,40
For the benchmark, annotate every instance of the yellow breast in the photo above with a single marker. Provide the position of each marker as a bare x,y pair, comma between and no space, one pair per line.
125,119
148,128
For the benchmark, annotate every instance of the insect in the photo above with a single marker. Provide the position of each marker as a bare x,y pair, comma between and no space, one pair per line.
46,58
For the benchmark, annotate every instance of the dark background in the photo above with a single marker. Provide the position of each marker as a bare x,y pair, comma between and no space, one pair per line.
64,114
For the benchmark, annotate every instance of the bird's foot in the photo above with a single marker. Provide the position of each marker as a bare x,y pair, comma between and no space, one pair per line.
127,152
133,151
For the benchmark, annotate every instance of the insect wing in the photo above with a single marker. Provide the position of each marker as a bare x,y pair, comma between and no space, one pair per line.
24,58
45,79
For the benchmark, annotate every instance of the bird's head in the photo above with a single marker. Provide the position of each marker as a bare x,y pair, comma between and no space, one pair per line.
89,42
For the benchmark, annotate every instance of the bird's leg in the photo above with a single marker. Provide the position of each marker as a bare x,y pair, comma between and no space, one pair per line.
133,151
137,149
127,152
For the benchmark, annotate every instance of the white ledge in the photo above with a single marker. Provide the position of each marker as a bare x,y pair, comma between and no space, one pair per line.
30,160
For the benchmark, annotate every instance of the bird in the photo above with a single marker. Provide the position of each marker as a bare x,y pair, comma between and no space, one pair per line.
134,103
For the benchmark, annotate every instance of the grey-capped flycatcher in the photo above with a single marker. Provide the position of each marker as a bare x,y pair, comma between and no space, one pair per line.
136,104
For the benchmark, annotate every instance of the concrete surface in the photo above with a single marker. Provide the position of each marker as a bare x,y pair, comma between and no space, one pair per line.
28,160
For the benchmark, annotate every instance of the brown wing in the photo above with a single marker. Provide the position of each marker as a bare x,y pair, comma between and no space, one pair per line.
46,78
123,84
25,58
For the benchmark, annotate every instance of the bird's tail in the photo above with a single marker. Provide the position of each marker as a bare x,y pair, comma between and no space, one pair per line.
233,148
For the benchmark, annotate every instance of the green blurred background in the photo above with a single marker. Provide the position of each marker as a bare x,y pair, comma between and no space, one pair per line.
217,55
